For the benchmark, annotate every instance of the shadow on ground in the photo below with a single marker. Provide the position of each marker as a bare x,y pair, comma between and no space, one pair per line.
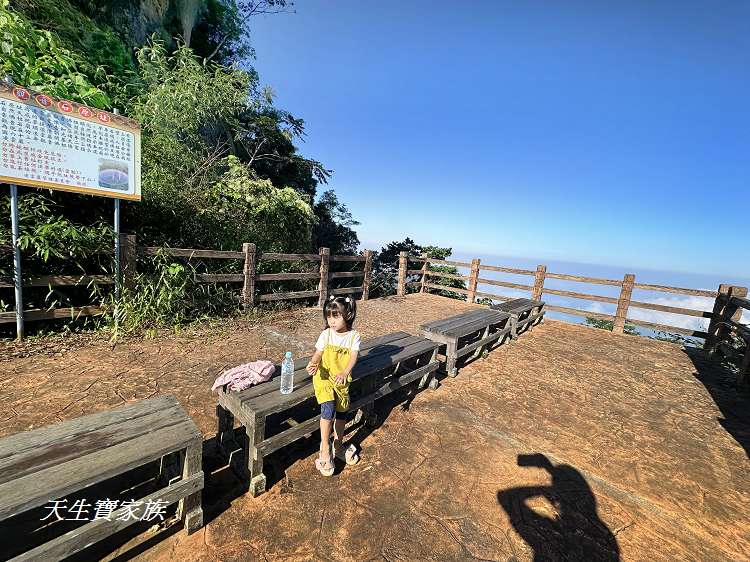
575,531
733,402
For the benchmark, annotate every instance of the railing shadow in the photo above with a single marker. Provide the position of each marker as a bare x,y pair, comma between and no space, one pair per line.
733,402
575,532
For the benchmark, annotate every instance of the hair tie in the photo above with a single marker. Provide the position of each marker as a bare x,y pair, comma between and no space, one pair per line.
331,298
347,299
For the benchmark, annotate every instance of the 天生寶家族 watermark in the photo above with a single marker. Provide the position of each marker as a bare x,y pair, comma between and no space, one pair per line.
111,510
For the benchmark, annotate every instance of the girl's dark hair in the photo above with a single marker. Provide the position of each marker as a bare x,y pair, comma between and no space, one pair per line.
346,307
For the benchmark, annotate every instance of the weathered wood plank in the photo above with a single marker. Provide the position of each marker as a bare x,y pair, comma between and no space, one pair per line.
577,312
55,313
506,284
345,274
289,257
220,277
191,253
440,262
348,258
741,302
667,328
494,296
679,290
584,296
507,269
582,279
79,538
446,288
672,309
436,325
431,273
470,327
345,291
63,280
292,295
287,276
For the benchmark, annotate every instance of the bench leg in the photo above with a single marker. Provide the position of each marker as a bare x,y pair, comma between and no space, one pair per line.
189,509
255,434
225,430
450,359
429,379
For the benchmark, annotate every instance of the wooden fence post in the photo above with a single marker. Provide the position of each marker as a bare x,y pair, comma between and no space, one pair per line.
129,257
368,275
423,280
536,292
251,264
473,276
618,327
325,259
722,298
402,259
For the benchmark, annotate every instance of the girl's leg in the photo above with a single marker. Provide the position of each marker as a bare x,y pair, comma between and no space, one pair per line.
339,425
326,422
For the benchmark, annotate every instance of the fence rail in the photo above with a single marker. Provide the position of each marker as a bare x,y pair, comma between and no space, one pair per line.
624,302
250,278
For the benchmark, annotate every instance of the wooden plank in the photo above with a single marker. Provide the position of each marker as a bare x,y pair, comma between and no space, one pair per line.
346,274
249,272
368,275
345,291
445,275
56,313
484,341
443,262
576,312
348,258
190,253
470,327
81,537
293,295
287,276
517,306
741,302
507,269
25,493
446,288
506,284
680,290
290,257
597,298
325,276
63,280
592,280
494,296
436,325
672,309
623,303
414,284
18,443
667,328
408,272
220,277
395,383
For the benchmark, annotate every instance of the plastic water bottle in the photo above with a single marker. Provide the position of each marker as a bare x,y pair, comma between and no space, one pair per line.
287,374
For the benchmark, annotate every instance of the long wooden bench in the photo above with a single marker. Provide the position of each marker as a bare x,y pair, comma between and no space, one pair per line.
527,313
385,364
472,332
50,463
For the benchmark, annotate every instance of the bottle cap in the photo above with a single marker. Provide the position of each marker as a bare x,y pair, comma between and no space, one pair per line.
288,354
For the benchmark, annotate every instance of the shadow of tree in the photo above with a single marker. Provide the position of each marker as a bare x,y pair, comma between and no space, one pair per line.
575,532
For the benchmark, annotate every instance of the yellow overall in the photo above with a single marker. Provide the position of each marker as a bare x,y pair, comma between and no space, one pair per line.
334,360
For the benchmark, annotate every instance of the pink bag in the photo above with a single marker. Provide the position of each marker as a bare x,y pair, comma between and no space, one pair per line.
243,376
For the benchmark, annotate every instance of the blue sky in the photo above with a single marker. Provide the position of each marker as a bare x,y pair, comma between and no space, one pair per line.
619,130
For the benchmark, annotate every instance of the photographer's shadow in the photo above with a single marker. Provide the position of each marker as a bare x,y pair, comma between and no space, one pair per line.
576,532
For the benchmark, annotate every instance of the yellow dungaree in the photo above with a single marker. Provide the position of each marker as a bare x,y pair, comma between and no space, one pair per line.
334,360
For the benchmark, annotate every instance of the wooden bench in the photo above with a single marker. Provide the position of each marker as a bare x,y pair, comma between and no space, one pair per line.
526,312
473,331
384,365
46,464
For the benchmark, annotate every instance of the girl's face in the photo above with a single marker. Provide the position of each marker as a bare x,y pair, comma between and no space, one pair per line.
336,320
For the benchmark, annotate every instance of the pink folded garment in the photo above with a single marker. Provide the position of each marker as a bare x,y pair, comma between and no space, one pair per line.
244,376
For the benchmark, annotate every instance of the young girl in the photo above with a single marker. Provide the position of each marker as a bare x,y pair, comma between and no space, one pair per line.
331,366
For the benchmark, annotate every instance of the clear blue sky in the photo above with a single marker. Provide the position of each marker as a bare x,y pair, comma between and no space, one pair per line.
621,129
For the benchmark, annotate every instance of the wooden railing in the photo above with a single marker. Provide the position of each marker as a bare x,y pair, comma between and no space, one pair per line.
250,278
537,289
727,336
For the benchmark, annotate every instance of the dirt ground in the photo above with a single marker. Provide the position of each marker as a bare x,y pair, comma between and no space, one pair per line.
570,444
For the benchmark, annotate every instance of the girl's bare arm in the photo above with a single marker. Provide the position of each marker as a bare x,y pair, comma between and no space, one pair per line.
312,366
341,378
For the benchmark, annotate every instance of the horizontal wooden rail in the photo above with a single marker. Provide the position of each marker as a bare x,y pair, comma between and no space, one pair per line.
347,258
505,284
667,328
190,253
597,298
441,262
55,313
219,277
576,312
672,309
289,257
287,276
414,272
507,269
345,274
345,290
63,281
665,289
284,296
741,302
446,275
494,296
582,279
446,288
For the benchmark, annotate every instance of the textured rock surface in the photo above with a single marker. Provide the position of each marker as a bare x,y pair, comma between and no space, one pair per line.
571,443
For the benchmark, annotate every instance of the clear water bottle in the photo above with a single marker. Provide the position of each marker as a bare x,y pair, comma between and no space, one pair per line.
287,374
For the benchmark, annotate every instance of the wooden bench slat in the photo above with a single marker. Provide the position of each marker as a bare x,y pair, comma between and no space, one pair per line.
19,443
439,324
70,543
469,327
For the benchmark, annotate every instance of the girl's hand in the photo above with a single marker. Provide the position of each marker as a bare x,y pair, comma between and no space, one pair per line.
341,378
312,367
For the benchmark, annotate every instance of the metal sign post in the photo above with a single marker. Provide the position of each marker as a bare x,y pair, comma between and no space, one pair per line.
17,281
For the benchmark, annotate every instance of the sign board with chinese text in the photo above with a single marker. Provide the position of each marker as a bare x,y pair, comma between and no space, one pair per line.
58,144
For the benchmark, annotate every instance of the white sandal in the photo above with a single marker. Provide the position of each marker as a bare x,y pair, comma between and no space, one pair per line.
348,455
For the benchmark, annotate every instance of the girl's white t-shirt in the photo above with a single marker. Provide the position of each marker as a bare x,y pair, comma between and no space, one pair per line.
342,340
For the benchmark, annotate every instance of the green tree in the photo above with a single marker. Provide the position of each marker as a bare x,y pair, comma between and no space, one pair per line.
334,225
